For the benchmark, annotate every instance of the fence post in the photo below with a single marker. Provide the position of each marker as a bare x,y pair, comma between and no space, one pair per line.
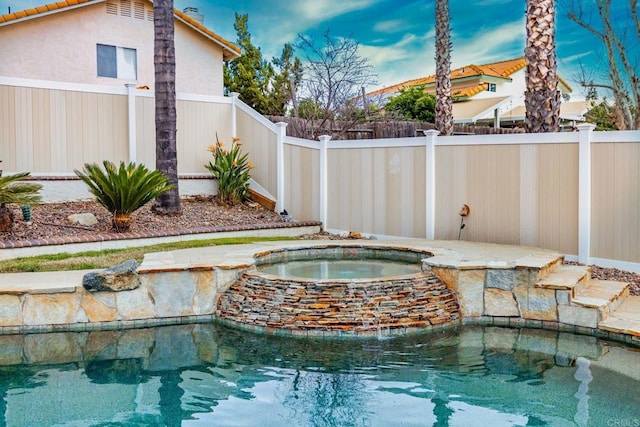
234,126
324,139
584,192
282,132
131,106
430,184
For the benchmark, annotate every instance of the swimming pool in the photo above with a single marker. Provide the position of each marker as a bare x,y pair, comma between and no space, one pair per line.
208,374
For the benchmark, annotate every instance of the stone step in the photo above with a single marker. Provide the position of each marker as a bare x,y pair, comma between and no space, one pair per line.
565,277
604,295
625,319
551,267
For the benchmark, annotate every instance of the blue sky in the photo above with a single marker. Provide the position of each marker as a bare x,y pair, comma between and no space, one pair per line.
398,35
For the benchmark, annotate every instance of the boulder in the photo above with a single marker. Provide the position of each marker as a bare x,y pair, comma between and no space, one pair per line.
82,219
122,277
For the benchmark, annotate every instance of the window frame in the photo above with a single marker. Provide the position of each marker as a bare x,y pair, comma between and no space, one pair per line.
116,62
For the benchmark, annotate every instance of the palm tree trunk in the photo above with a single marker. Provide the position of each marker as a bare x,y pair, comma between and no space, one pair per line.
444,104
165,88
121,222
542,97
6,218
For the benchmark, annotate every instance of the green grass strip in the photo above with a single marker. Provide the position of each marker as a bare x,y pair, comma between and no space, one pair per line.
109,257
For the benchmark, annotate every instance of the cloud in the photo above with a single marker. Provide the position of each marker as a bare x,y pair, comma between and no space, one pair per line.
413,55
488,44
392,26
490,3
408,58
575,57
314,11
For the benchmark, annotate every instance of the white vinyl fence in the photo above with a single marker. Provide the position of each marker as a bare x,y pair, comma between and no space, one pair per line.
576,192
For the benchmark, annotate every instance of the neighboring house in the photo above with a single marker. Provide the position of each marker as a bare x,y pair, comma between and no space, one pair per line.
484,93
109,42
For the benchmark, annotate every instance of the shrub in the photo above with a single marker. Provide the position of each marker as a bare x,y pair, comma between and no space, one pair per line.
231,169
12,191
124,189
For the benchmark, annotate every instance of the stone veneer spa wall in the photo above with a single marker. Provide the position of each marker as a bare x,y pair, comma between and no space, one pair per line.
335,305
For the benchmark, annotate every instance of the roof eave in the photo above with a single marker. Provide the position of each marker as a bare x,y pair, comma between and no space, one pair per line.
229,51
50,12
228,54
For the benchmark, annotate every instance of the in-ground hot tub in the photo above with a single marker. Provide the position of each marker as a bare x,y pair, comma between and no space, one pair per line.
339,289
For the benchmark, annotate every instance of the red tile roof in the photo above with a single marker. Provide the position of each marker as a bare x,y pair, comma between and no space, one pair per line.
501,70
232,51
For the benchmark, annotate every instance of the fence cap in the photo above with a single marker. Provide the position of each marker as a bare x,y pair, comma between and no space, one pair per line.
586,126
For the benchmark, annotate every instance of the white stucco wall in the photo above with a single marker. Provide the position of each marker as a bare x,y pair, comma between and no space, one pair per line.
62,47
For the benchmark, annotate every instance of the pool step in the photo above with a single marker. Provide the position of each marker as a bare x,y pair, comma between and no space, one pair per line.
565,277
625,319
604,295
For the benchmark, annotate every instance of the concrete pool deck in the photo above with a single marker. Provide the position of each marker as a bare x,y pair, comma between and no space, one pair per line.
495,284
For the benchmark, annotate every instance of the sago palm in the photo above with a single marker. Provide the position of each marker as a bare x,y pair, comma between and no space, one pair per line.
12,191
123,189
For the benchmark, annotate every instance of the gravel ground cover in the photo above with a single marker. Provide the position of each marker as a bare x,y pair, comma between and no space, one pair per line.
50,220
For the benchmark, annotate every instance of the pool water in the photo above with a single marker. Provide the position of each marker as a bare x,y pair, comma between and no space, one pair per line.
340,269
211,375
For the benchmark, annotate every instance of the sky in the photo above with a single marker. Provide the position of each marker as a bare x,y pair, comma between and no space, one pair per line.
398,36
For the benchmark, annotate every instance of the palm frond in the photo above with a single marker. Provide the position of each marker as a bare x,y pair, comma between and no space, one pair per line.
125,188
13,191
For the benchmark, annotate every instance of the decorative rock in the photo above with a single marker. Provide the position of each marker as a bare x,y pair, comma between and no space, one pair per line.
99,310
563,297
580,316
205,298
498,302
10,310
470,289
123,277
172,294
82,219
536,303
134,305
50,309
449,276
500,279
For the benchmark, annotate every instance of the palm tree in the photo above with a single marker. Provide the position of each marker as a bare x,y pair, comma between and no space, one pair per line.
165,87
542,98
444,104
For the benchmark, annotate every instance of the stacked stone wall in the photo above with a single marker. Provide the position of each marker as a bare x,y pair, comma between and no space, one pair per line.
263,300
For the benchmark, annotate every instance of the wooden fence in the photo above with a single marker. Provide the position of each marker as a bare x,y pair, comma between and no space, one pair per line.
351,130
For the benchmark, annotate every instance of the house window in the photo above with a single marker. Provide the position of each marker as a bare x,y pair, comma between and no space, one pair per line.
117,62
491,87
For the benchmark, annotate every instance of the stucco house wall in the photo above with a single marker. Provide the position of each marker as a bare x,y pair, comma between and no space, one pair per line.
61,46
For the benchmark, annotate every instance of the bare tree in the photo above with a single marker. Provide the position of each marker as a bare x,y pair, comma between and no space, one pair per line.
621,78
541,97
444,103
334,73
164,61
